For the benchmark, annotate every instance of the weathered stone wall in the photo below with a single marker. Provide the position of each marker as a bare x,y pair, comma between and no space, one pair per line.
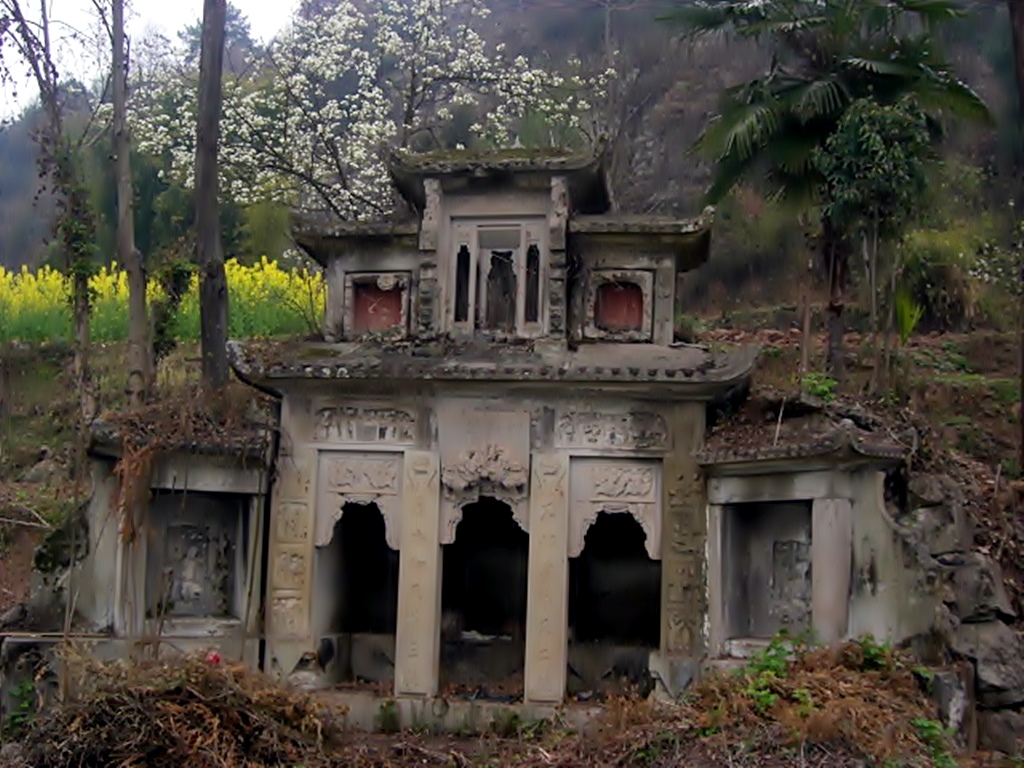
556,461
861,578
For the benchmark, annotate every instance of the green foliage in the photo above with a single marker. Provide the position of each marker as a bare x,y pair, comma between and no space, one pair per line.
936,738
689,328
388,718
23,711
908,315
936,274
819,385
826,56
770,665
874,166
876,655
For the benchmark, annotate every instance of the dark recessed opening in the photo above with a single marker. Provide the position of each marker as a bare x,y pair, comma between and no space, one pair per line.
619,307
614,608
483,602
501,292
532,314
196,563
766,557
462,268
361,572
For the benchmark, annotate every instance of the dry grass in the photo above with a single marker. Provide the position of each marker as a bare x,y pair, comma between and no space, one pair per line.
189,712
853,705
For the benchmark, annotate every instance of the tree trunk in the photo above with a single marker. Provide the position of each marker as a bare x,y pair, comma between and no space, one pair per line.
1016,9
139,351
6,396
836,262
805,323
213,291
80,303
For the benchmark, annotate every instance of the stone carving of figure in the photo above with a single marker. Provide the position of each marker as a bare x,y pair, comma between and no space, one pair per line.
190,579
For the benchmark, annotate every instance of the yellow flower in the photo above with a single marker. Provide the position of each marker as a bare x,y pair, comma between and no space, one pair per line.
264,300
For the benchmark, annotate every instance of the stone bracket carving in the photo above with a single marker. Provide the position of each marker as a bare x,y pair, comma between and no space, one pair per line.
359,478
590,429
615,487
482,472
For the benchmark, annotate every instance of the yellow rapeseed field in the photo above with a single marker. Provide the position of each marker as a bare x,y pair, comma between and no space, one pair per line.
265,299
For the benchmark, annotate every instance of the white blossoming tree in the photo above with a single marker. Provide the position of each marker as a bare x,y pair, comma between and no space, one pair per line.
310,123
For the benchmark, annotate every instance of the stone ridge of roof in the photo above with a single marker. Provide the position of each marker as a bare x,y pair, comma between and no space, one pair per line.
642,224
445,361
844,440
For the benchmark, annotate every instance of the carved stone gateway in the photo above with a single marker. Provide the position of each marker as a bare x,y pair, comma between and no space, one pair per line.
358,478
615,486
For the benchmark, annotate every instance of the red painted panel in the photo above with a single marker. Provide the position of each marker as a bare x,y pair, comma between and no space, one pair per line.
619,307
376,310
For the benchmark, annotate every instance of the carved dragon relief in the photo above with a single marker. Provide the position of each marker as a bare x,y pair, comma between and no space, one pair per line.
616,488
482,472
359,479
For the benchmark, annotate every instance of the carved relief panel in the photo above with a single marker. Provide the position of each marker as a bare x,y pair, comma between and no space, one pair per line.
363,424
484,452
358,478
290,545
615,486
591,429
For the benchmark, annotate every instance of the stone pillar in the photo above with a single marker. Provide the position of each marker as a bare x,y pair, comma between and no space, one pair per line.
684,535
716,581
547,596
418,635
831,556
291,558
558,219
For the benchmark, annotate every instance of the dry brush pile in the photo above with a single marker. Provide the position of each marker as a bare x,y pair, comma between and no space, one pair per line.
188,712
859,704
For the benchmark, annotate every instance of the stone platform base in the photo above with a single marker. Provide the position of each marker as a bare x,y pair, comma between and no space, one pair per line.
365,711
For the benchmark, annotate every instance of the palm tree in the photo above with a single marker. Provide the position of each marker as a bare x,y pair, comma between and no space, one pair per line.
825,55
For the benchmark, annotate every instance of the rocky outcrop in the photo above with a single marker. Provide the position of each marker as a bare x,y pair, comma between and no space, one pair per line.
972,587
1001,731
975,623
938,515
997,652
953,692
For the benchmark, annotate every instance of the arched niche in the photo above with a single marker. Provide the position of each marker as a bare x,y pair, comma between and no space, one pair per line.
358,478
478,475
615,486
